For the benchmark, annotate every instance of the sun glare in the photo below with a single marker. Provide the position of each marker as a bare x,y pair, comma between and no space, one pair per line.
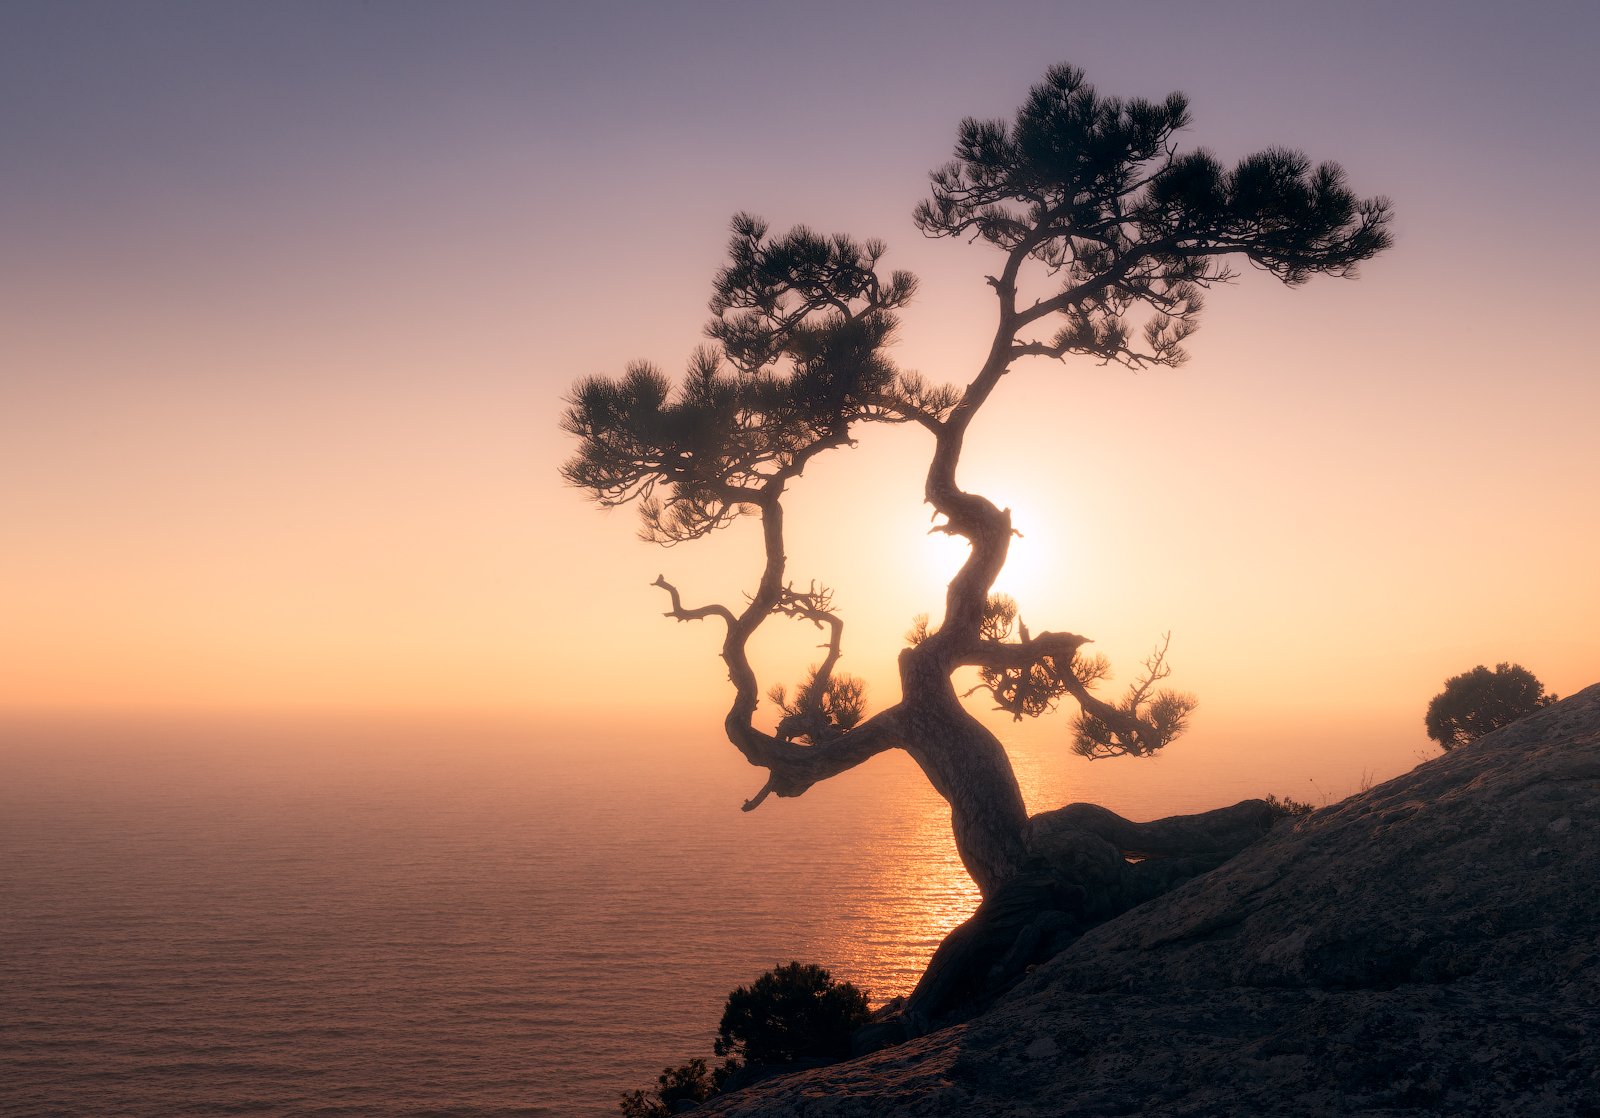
1037,564
1034,565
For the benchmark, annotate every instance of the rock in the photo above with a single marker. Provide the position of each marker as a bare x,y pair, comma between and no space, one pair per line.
1431,946
1042,1049
885,1026
747,1075
1088,865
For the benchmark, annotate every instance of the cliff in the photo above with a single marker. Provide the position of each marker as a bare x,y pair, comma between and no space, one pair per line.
1429,946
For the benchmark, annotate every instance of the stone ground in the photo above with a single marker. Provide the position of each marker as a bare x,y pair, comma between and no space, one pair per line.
1430,946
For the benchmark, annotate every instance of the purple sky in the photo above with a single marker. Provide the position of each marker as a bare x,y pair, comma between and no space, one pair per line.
292,292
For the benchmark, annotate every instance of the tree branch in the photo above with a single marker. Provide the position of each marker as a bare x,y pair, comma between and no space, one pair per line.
793,768
815,605
1021,655
1141,723
679,613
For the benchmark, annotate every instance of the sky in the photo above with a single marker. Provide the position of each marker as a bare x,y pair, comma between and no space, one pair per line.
293,293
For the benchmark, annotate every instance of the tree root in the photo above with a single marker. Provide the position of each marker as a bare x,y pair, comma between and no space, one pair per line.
1087,866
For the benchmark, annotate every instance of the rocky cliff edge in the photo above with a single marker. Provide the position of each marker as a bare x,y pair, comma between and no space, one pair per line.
1429,946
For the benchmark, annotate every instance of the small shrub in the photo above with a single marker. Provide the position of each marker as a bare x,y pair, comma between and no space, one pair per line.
792,1012
692,1082
796,1011
1288,806
1480,701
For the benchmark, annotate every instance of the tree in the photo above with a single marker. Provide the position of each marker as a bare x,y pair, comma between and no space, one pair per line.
1478,701
1107,236
688,1083
793,1012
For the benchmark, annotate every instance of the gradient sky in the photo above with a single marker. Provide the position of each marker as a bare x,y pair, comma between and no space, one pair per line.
292,293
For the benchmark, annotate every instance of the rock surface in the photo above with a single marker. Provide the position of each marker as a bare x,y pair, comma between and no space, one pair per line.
1431,946
1080,876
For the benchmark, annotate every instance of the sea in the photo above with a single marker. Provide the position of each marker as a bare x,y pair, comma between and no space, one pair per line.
342,918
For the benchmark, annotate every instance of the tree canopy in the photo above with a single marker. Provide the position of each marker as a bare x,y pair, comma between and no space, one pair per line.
793,1012
1476,702
1107,236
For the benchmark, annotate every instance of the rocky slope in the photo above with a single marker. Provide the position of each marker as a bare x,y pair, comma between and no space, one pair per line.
1429,946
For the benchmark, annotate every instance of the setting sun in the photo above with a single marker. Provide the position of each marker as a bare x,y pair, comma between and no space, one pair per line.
455,457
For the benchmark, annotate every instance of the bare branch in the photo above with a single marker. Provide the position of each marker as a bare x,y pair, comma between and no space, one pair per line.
793,768
755,801
1022,654
677,611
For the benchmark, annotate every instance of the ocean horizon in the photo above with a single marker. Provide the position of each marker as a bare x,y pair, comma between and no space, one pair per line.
301,921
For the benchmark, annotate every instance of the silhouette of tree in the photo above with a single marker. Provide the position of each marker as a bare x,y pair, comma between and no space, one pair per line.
690,1083
1107,237
1478,701
793,1012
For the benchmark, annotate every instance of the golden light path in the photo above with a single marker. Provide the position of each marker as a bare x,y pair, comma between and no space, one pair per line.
918,893
914,889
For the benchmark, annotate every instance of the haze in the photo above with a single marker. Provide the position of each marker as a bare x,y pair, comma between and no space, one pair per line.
294,292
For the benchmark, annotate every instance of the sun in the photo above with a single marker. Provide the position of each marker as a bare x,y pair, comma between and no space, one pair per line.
1038,566
1039,562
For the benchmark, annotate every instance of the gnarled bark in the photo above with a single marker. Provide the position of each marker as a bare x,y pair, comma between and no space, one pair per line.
1120,235
1085,866
967,765
1225,830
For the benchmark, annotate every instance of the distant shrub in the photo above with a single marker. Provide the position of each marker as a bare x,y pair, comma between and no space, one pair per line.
692,1082
793,1012
1476,702
796,1011
1288,806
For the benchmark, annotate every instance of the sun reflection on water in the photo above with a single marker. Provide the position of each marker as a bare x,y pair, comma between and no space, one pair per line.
914,892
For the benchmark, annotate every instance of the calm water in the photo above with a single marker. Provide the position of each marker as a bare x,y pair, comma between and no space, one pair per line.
323,921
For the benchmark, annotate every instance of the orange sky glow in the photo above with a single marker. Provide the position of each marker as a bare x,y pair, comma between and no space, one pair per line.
278,415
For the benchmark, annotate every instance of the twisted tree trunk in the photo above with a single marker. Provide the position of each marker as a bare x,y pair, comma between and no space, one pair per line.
968,766
1084,866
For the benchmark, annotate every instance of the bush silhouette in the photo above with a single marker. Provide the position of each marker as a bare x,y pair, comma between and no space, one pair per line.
1288,806
1476,702
796,1011
793,1012
692,1082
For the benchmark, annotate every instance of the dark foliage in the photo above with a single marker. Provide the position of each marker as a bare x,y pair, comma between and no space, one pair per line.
796,1011
819,710
802,323
1107,235
1094,188
1476,702
1288,806
691,1082
793,1012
